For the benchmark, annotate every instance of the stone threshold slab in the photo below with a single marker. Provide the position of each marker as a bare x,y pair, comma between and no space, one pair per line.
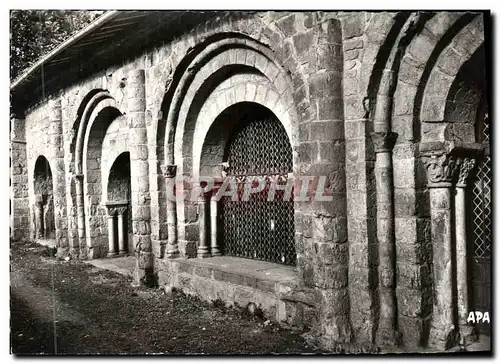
51,243
245,267
121,265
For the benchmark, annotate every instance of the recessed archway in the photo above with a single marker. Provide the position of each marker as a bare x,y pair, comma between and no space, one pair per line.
253,142
119,194
44,200
95,213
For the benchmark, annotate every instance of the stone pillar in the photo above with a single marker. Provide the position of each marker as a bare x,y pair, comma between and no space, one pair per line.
111,232
39,216
121,230
387,333
214,243
19,199
139,170
466,330
441,170
169,172
203,215
58,173
80,209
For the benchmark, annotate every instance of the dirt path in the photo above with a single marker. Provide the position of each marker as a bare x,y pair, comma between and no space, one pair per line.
74,308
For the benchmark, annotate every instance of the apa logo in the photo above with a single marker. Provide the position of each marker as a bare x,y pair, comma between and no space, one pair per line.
478,317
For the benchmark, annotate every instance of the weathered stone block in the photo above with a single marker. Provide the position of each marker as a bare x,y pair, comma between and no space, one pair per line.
203,272
336,330
329,56
362,277
415,330
331,152
332,253
353,26
287,25
307,152
413,276
414,302
303,42
330,229
330,277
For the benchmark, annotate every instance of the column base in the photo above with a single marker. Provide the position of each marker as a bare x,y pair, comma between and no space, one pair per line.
112,254
443,339
172,252
215,252
203,253
122,253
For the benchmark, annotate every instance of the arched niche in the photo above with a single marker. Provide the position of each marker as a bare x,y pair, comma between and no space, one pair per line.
44,198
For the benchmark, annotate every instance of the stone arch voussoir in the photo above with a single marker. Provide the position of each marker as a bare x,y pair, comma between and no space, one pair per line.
449,62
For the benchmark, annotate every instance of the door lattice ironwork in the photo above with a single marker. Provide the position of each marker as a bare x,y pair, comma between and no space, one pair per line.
481,200
481,230
258,228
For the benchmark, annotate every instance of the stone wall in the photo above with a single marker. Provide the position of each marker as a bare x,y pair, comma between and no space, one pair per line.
44,138
19,200
336,81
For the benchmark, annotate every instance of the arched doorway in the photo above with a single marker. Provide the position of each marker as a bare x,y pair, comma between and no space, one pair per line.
94,154
468,109
119,203
258,148
480,222
44,200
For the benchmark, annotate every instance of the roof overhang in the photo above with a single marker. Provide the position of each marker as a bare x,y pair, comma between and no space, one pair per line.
110,40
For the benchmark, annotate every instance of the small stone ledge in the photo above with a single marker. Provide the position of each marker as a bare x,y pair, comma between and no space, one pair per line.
272,288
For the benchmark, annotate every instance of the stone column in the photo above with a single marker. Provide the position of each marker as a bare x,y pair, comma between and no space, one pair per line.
121,230
39,216
214,243
441,171
80,209
466,330
203,214
139,170
111,232
58,173
169,172
387,326
19,199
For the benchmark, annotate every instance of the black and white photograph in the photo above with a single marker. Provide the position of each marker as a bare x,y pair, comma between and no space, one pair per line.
250,182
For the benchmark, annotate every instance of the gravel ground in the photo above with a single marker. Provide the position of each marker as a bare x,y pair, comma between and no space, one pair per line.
60,307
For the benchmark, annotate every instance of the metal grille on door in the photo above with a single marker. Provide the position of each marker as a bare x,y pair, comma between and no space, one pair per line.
481,233
258,228
481,201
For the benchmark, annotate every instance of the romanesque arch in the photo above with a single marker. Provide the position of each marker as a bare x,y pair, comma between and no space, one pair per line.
97,115
424,106
210,91
318,150
44,199
119,206
214,65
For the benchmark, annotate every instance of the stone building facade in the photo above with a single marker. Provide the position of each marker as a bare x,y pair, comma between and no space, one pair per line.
390,107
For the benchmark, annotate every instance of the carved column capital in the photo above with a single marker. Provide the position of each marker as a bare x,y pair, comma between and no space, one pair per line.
169,170
383,141
111,211
78,176
465,172
442,170
121,210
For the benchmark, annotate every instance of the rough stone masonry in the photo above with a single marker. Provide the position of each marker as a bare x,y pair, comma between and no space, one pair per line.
386,105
